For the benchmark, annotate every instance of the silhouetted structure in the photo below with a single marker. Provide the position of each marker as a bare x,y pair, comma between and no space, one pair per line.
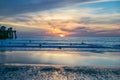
7,33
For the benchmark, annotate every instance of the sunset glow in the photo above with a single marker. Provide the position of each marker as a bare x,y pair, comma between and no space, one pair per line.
82,18
61,35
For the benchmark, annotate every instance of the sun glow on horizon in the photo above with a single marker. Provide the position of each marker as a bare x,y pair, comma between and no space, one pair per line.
92,18
62,35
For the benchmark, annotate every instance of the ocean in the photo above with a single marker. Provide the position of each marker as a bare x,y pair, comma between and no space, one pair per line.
73,51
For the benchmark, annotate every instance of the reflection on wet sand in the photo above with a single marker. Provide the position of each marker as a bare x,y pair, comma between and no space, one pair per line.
61,57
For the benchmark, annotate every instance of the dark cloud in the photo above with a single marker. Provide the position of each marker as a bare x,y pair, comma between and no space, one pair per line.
100,20
85,31
114,32
12,7
78,29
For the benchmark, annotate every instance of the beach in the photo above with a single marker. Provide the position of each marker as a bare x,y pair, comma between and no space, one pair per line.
59,40
60,59
57,72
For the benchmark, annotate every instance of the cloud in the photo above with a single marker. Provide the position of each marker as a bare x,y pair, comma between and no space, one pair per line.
72,20
75,23
101,19
84,31
13,7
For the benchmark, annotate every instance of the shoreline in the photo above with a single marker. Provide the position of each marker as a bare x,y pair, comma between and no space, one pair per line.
54,65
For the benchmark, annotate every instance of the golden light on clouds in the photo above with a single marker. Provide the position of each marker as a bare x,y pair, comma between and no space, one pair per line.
57,32
74,20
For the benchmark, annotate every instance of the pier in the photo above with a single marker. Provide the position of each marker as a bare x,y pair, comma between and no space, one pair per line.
7,33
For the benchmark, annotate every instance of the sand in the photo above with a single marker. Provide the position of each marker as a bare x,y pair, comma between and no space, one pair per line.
57,72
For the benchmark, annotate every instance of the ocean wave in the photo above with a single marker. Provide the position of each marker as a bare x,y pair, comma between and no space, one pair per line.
60,45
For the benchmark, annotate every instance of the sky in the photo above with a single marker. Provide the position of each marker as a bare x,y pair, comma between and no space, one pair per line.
62,17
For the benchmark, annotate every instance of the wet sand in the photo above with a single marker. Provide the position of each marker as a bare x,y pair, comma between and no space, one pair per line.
57,72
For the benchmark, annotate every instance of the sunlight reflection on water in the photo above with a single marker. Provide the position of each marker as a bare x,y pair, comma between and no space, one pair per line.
74,58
